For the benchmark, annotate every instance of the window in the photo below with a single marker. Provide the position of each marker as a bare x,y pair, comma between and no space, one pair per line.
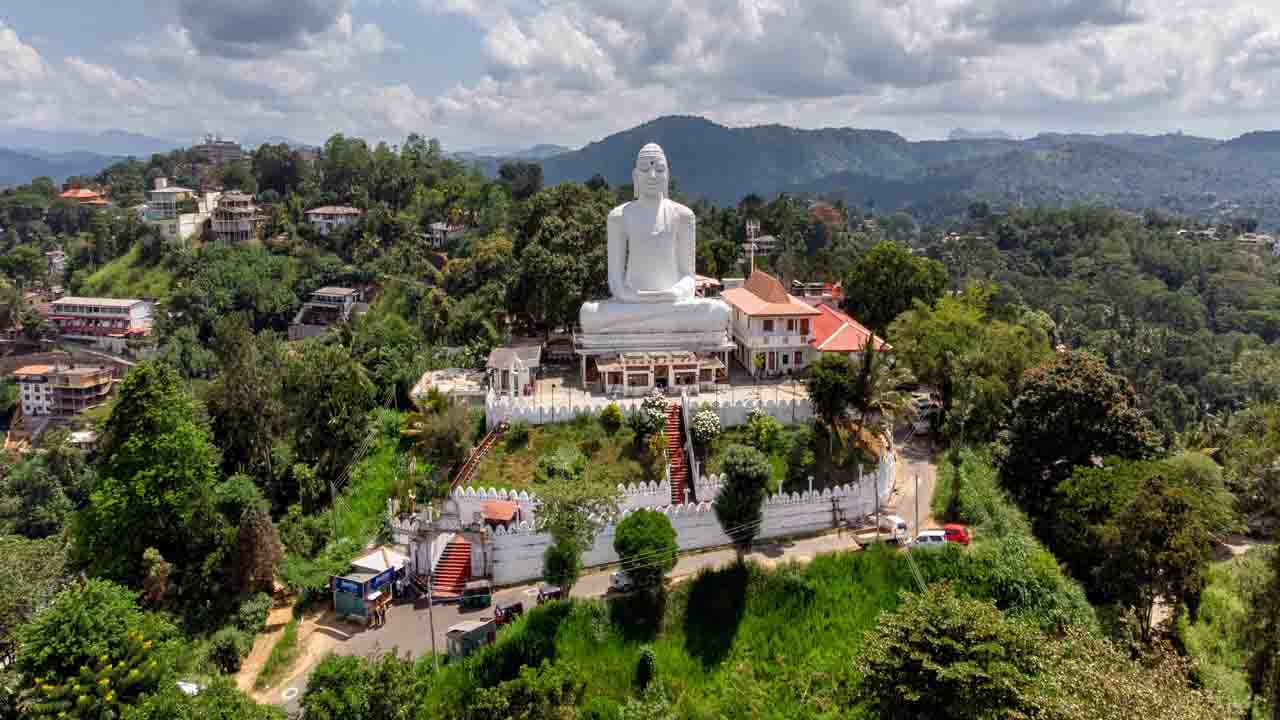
791,326
804,327
768,326
799,358
786,359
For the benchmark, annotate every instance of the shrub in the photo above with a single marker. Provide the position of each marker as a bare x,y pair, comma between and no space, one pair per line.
738,506
303,534
656,455
227,647
646,667
611,417
518,434
562,564
705,427
764,433
646,544
251,617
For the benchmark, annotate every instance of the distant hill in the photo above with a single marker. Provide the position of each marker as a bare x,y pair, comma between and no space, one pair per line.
108,142
962,134
19,167
1194,176
488,159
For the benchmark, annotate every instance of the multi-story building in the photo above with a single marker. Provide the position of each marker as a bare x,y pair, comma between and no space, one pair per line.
61,391
331,217
178,213
771,328
107,323
327,306
236,218
216,151
837,332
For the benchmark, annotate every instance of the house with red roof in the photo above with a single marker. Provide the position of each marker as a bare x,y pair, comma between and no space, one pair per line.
837,332
771,328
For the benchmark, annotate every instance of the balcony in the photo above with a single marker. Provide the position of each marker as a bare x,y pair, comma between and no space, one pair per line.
779,340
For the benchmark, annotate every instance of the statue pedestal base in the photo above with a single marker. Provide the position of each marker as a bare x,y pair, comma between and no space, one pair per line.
613,343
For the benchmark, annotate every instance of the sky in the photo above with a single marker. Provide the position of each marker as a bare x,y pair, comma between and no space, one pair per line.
511,73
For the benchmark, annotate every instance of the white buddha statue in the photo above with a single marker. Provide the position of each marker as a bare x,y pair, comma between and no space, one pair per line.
651,264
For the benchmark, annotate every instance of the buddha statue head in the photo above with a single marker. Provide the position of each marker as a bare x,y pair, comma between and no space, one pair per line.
651,175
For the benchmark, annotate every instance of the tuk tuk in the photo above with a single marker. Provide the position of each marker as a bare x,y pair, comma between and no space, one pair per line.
506,613
547,593
467,637
477,594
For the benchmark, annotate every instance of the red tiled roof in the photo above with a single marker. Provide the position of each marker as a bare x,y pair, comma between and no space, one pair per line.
763,296
498,510
834,331
79,194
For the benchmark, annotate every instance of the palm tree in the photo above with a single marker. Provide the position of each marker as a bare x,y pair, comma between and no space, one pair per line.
876,393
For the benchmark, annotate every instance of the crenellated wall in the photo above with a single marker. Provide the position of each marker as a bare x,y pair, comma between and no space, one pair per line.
731,411
517,553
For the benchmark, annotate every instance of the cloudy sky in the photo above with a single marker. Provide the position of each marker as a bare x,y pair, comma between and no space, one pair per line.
516,72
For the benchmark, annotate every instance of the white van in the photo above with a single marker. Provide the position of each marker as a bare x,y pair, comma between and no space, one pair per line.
930,538
898,530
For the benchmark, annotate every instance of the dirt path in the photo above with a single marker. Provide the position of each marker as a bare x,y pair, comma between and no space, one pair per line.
318,632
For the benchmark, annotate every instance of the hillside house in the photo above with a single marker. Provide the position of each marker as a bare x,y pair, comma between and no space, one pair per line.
771,328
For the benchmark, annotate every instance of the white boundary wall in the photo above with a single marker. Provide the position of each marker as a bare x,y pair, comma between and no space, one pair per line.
731,412
517,553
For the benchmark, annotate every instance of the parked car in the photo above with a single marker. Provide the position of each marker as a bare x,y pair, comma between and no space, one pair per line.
956,533
621,582
930,538
899,531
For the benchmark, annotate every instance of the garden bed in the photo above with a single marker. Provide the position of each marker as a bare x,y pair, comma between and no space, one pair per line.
612,457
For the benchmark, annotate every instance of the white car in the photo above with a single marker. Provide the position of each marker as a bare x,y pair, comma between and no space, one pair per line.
930,538
897,528
621,582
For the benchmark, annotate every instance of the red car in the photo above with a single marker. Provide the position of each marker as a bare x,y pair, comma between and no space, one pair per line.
956,533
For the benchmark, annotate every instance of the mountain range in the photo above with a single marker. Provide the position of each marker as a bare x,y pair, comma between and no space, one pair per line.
488,159
1200,177
107,142
18,167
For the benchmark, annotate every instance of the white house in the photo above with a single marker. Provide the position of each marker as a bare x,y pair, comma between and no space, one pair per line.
330,217
106,323
771,328
178,213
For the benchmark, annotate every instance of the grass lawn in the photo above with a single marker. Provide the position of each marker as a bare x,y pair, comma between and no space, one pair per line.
127,277
734,642
611,457
713,456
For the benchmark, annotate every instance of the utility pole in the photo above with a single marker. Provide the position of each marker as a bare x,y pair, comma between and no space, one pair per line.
917,522
431,577
877,506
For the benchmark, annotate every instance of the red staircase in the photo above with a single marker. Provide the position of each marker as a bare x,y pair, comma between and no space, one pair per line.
675,452
453,570
468,469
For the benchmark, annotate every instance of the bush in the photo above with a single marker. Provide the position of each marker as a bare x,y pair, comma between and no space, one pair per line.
611,417
705,427
764,433
646,667
303,534
518,434
227,647
646,544
252,615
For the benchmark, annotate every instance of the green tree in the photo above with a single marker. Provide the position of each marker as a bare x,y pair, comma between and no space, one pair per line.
386,688
219,700
1263,633
1157,547
443,436
259,554
156,472
887,281
739,506
573,509
246,398
832,385
39,567
562,565
646,545
331,396
876,395
522,179
943,656
1067,412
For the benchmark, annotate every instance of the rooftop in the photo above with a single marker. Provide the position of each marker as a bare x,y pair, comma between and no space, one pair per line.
764,296
451,382
342,292
29,370
102,302
79,194
335,210
525,356
171,190
835,331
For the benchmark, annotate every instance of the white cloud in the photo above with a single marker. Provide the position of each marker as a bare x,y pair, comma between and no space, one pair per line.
20,63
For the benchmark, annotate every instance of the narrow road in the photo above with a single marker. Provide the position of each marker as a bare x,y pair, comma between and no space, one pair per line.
916,458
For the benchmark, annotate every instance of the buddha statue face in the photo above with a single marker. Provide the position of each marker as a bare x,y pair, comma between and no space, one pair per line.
651,176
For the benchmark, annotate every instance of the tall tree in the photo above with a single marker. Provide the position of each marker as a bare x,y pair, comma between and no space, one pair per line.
260,552
646,544
523,179
156,472
1068,412
887,281
246,399
740,504
332,399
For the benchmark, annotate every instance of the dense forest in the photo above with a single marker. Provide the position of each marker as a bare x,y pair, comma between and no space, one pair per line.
1109,386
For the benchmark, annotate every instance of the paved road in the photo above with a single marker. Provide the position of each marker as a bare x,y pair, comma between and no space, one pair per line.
915,459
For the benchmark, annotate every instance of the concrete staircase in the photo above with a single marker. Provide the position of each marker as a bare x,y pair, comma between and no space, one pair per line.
453,570
674,433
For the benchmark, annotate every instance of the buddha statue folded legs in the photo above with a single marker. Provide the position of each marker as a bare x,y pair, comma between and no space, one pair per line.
693,315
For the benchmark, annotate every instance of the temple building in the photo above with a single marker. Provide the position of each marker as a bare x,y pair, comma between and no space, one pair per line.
634,374
772,329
